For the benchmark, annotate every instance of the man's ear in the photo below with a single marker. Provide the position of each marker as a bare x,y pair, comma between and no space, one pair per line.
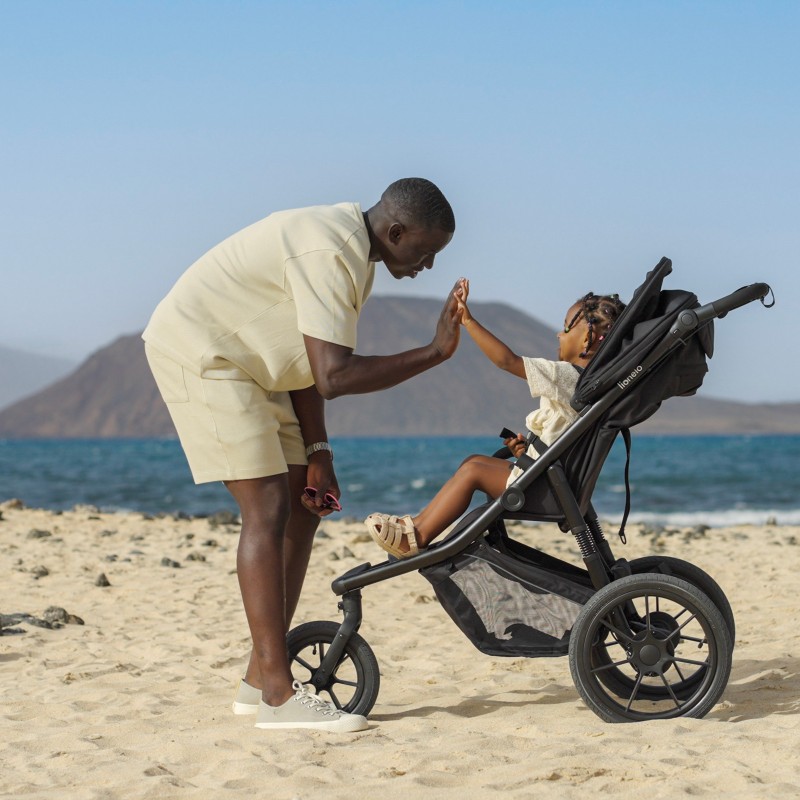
395,232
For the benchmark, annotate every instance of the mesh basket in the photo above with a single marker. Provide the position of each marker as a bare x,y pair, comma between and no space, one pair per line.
507,604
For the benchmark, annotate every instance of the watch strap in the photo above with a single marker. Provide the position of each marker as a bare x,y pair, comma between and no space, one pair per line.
317,446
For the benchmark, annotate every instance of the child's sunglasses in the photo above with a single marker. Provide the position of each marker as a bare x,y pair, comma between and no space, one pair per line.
328,500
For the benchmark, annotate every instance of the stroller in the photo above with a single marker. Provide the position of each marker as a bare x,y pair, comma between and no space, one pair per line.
650,638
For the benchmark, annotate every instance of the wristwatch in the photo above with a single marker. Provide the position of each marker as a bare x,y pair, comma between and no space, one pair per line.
317,446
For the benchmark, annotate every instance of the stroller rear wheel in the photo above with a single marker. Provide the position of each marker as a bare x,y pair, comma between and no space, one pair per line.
666,650
353,685
616,679
694,575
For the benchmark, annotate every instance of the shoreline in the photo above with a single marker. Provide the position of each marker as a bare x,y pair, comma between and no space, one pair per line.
135,701
671,522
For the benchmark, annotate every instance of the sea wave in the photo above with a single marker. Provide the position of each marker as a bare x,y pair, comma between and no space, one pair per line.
725,518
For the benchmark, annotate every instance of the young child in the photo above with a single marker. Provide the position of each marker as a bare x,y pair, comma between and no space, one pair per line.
585,326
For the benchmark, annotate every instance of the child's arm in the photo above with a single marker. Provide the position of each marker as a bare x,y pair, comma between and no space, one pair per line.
497,351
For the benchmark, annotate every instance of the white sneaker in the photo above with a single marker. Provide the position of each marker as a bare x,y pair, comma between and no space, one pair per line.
247,699
306,710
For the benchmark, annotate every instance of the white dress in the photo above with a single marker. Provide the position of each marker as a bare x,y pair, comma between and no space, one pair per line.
554,383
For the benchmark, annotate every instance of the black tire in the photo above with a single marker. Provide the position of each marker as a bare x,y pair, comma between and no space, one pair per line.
694,575
660,632
353,686
620,683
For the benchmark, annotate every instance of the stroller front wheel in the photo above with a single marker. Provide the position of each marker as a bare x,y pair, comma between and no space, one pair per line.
353,685
661,634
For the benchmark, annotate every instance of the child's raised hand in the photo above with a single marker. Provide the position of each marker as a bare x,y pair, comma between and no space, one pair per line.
461,294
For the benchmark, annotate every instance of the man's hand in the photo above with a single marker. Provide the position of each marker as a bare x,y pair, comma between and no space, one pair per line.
321,476
448,329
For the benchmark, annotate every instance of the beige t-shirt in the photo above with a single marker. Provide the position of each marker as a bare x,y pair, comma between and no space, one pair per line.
241,309
554,383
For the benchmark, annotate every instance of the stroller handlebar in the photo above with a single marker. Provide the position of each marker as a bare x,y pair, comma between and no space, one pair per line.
719,308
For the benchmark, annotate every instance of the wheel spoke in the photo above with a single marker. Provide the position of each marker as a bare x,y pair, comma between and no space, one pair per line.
634,691
613,643
611,665
335,699
303,663
694,639
345,683
679,629
617,632
675,660
671,693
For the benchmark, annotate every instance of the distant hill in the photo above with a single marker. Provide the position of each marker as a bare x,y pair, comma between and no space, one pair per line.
25,373
112,394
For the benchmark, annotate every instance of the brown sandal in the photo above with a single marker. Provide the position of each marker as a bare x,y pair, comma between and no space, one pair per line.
389,531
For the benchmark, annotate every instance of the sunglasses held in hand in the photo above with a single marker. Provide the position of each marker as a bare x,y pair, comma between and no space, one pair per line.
328,500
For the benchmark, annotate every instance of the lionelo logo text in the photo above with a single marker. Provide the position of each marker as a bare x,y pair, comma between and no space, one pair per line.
635,374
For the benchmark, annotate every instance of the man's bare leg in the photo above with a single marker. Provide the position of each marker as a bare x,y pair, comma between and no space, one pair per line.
298,541
264,506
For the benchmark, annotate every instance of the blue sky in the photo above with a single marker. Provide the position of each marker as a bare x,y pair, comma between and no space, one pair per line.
578,142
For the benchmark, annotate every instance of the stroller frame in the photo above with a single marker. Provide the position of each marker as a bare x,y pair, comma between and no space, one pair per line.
626,613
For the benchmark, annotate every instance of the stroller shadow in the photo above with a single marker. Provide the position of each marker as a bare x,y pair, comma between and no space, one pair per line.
480,705
759,689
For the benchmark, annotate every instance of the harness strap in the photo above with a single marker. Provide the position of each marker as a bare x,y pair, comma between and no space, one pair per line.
538,445
525,461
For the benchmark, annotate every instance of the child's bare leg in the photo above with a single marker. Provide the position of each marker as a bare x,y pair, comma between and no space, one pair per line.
476,473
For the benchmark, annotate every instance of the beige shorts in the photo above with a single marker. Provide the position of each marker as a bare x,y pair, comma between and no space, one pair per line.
229,429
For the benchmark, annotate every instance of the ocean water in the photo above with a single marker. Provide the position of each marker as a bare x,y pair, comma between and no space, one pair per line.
711,480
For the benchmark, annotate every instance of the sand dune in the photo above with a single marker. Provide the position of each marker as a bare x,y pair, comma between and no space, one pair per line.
135,702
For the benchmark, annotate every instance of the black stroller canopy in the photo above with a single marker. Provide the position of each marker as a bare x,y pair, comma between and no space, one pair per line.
627,359
643,323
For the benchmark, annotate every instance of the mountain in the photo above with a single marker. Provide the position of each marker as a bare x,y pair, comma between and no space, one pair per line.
112,394
25,373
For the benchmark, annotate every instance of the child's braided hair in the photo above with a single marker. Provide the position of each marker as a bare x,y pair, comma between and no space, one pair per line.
600,312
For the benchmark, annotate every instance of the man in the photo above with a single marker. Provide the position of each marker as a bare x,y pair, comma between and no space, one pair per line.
245,348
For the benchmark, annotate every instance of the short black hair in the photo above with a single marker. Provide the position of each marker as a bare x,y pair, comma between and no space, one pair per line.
420,202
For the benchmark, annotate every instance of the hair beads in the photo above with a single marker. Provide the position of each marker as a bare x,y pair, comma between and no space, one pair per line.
600,313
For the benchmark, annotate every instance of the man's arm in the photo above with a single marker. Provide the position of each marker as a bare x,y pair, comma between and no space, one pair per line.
338,371
309,406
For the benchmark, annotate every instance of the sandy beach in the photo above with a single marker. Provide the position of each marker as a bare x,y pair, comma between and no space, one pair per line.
135,702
